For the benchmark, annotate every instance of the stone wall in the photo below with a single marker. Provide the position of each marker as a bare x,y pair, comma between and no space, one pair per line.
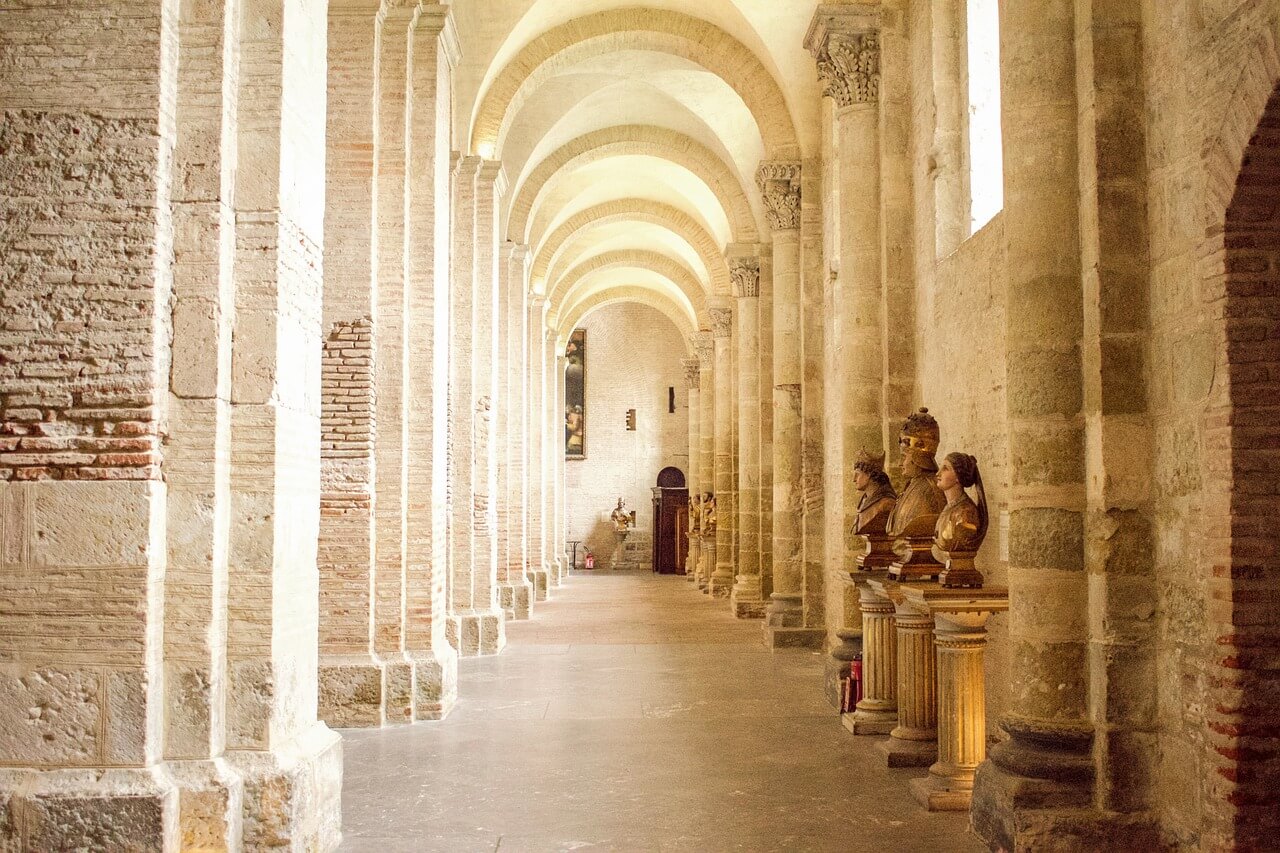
633,356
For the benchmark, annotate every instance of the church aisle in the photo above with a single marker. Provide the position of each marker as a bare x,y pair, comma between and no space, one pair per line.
634,714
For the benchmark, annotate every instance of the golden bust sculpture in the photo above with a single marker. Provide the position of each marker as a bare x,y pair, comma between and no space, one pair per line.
915,514
695,514
874,506
621,518
962,524
709,513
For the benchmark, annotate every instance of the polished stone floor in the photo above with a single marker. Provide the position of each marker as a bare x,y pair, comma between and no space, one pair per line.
632,713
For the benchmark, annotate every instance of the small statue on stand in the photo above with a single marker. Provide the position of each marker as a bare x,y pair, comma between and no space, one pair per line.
877,502
622,519
915,515
709,514
962,525
695,515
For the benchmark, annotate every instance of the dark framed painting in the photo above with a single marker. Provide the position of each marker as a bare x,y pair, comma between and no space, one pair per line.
575,396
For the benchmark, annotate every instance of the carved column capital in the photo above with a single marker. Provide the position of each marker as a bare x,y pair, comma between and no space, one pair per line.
721,321
692,368
745,275
779,183
845,42
705,348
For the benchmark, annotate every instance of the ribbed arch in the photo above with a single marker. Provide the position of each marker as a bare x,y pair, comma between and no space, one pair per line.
653,30
640,210
656,262
625,293
643,140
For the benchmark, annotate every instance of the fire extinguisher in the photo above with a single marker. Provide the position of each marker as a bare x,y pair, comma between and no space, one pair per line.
589,561
855,681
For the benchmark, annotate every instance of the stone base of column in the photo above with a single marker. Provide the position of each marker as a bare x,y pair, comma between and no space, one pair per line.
784,624
559,570
721,583
516,599
943,794
365,691
541,580
210,805
435,683
89,810
836,666
477,633
747,599
904,752
292,795
869,722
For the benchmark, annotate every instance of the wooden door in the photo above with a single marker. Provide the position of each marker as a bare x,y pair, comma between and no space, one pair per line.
671,519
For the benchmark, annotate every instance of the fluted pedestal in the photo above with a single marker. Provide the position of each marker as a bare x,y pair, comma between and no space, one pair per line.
960,635
913,742
877,712
693,558
707,563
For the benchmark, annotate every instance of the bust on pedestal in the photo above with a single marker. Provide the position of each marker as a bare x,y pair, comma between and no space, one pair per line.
915,514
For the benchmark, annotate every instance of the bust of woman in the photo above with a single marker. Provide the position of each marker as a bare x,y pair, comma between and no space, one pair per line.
962,524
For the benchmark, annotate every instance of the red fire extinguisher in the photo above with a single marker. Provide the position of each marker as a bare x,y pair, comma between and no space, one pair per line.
855,681
589,561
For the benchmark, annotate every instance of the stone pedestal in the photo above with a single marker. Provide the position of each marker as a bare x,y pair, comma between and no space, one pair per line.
633,552
694,557
913,741
877,712
960,635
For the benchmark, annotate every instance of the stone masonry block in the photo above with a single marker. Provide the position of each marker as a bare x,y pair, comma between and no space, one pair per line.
51,717
1046,538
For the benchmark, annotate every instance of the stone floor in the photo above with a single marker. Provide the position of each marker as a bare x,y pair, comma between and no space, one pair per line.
633,713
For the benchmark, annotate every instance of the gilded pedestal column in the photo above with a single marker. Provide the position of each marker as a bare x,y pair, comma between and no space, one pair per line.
913,741
721,581
877,712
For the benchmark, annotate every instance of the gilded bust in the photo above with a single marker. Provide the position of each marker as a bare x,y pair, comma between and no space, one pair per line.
962,524
916,511
878,496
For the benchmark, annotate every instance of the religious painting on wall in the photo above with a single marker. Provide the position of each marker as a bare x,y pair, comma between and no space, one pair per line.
575,395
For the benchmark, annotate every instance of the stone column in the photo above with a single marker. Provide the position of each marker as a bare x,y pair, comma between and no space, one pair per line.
960,636
765,390
553,420
433,54
877,711
748,599
784,619
704,345
721,582
1047,759
537,420
515,590
691,378
491,184
291,762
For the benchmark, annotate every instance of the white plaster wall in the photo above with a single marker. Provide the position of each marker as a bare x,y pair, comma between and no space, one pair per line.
633,356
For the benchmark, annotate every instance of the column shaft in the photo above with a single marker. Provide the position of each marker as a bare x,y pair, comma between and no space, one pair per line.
721,581
748,599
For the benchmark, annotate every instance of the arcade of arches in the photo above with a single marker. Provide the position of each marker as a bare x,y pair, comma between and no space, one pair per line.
287,290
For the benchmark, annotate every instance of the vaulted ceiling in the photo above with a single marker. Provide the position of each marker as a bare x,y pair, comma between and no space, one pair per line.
631,136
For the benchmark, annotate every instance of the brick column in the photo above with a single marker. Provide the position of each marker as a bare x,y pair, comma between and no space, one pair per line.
292,764
433,54
515,590
553,446
560,559
721,582
747,598
537,450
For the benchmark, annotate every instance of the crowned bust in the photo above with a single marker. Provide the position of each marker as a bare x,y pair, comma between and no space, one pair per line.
916,513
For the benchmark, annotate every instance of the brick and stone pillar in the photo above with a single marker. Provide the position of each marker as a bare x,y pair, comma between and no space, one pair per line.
433,54
291,763
691,378
1047,759
553,426
784,620
539,549
704,345
515,590
747,599
558,532
721,582
491,184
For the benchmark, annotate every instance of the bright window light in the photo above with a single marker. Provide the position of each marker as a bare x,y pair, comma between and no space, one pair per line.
986,161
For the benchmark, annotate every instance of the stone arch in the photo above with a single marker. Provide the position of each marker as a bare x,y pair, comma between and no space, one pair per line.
637,29
1242,430
642,295
645,140
641,210
656,262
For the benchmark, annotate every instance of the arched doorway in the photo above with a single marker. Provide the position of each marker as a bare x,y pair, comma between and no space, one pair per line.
1243,729
670,522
